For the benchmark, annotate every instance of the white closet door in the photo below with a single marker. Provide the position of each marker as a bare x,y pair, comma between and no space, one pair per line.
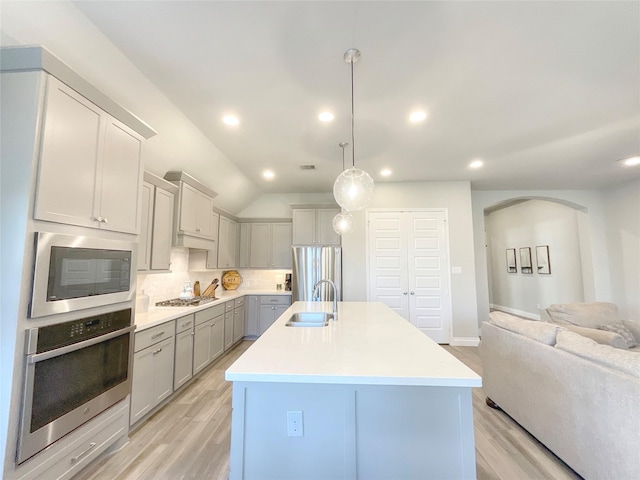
428,274
388,261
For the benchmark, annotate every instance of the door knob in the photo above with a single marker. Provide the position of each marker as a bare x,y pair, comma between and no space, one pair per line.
412,293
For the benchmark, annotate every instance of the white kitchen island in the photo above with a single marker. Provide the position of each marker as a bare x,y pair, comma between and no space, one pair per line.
369,396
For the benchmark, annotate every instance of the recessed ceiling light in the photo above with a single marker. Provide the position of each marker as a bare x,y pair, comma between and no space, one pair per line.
231,120
268,174
631,162
477,163
385,172
418,116
326,116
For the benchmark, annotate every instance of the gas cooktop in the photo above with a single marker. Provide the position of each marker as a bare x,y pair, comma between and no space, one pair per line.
191,302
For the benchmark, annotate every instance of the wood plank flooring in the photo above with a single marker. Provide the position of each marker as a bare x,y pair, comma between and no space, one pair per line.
189,438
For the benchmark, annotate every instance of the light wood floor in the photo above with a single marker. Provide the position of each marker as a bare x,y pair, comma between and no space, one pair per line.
189,437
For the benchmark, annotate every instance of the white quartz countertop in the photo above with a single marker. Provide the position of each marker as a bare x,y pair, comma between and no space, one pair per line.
158,315
368,344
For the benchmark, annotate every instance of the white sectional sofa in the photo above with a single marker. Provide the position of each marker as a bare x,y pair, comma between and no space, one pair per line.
580,398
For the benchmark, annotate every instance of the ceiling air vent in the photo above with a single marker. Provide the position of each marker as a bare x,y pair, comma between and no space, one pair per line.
307,167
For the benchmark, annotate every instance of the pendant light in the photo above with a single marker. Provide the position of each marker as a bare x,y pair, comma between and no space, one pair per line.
343,222
353,189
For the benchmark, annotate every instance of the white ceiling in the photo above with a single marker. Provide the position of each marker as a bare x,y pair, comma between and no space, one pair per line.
546,93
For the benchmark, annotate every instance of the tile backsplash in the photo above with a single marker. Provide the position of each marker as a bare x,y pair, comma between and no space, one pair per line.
163,286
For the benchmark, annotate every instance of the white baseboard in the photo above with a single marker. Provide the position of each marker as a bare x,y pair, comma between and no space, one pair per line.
465,341
515,311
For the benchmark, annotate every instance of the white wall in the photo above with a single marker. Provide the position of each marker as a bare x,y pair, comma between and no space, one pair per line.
591,222
622,211
278,205
456,198
179,145
528,224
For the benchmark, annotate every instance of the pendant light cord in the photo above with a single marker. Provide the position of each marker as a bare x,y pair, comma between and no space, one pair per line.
353,145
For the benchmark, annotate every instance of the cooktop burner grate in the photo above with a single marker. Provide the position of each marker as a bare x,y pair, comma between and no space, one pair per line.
179,302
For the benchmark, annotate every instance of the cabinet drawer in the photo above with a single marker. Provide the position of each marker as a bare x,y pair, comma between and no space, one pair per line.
275,300
185,323
238,302
229,305
209,313
153,335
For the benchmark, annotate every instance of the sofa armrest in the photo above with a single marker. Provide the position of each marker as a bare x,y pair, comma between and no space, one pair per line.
601,336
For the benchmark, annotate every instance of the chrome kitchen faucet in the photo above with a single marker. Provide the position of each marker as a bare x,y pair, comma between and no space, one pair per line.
335,295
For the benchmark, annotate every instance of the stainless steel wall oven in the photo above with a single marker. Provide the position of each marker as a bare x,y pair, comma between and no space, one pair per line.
74,371
74,272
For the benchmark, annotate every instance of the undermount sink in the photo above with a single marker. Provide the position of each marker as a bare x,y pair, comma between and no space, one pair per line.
309,319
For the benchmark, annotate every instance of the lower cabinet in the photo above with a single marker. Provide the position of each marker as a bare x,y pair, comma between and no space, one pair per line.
271,307
238,320
228,328
152,379
183,365
208,339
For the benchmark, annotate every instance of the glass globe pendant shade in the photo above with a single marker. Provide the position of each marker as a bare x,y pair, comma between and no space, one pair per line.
343,223
353,189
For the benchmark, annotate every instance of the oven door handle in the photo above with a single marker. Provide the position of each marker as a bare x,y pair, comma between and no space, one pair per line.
38,357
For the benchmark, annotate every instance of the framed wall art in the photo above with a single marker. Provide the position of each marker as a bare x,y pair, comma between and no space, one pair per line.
542,259
525,260
511,261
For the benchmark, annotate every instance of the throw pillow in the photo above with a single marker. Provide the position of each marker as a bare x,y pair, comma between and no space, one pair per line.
621,329
539,331
589,315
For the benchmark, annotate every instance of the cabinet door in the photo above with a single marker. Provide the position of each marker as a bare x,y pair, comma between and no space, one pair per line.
163,353
244,258
253,315
201,346
238,324
162,230
71,145
183,367
204,216
227,243
325,234
120,174
304,226
142,384
212,255
189,199
260,255
281,254
266,318
278,310
146,218
217,337
228,329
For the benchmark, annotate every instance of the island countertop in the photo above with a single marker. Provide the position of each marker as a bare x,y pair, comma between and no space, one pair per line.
369,344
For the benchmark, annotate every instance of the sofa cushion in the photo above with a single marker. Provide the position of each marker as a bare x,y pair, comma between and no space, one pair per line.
623,331
622,360
601,336
590,315
539,331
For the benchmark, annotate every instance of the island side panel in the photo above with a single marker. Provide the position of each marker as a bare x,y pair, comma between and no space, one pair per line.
352,431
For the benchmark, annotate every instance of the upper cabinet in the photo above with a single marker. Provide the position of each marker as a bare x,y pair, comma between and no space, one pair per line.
268,245
314,226
90,170
196,222
228,243
157,205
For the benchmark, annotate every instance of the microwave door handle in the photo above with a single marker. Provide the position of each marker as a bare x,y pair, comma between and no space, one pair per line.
38,357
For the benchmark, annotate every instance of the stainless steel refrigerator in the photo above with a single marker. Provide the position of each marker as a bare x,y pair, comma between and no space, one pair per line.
311,264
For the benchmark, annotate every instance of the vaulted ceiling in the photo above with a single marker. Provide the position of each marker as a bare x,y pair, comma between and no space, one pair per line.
547,94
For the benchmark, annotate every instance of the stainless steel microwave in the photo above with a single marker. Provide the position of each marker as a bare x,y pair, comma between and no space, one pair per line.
73,273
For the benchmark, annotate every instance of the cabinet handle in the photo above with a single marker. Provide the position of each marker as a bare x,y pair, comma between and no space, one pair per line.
157,335
412,293
98,219
105,220
75,459
185,324
197,229
404,293
155,352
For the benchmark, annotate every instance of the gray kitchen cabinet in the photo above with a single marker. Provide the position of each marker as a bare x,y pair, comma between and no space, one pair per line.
228,243
270,245
90,169
228,324
252,306
208,340
314,226
156,226
152,379
195,225
183,364
238,319
244,245
271,307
